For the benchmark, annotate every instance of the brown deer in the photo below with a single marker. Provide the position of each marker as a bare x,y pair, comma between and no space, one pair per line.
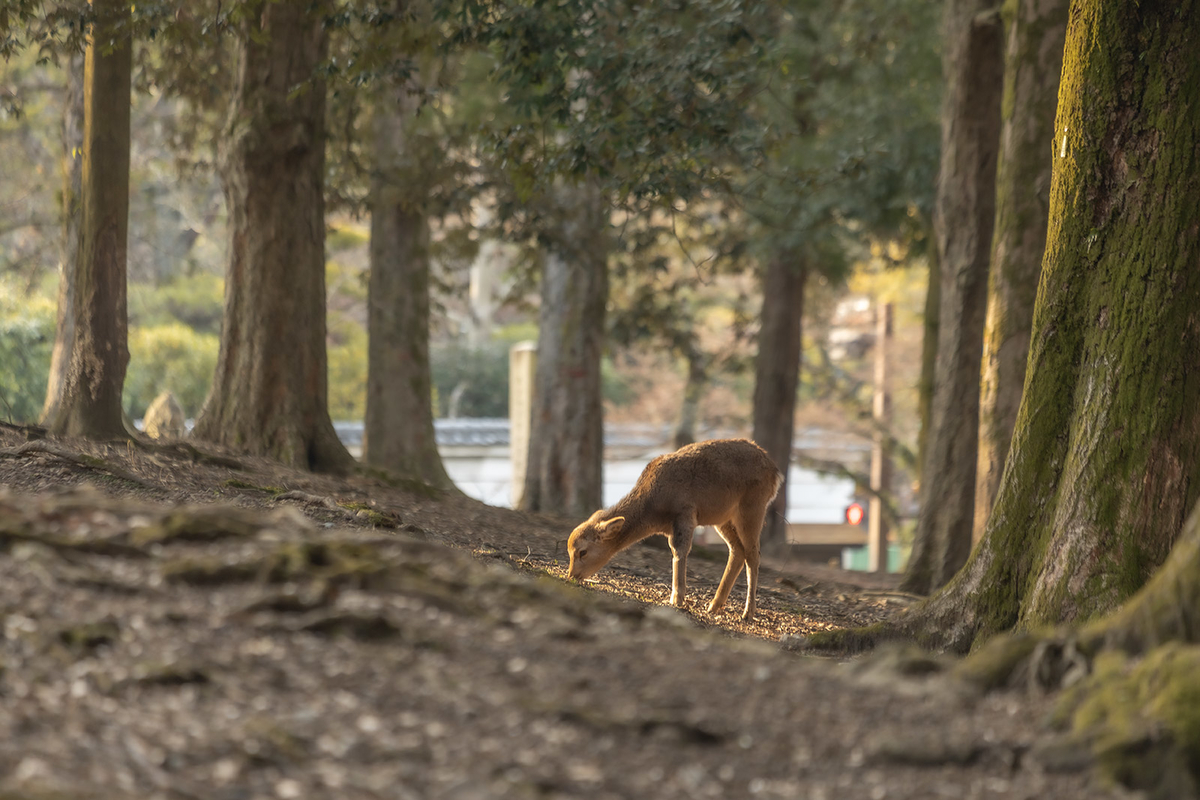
724,482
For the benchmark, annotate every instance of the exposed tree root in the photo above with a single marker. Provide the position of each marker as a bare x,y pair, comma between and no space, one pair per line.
184,450
28,431
47,447
376,517
311,499
844,641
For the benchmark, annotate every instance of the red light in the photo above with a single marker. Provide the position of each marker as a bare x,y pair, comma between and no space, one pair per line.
854,513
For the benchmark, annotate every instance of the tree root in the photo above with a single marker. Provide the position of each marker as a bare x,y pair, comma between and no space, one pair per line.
28,431
312,499
843,641
190,452
47,447
381,519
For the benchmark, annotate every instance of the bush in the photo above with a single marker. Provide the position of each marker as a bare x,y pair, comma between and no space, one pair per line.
347,357
169,357
196,300
479,375
26,343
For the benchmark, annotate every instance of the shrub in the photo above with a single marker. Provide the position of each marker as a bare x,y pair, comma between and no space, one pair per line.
26,342
169,357
479,375
196,300
347,358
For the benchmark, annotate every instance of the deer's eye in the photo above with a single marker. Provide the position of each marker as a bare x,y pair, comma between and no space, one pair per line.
581,554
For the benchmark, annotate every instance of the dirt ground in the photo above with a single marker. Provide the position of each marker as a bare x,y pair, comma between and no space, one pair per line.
178,628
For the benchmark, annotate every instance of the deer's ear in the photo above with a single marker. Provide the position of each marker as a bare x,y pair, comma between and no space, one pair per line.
609,529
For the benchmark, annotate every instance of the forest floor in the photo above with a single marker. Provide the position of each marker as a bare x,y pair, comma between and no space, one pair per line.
179,628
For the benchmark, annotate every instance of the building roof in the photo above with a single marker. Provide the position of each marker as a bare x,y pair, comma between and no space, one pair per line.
493,432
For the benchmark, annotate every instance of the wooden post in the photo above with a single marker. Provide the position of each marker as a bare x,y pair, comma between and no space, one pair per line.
881,467
522,365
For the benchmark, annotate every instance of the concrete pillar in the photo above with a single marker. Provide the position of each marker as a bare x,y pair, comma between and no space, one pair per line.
522,364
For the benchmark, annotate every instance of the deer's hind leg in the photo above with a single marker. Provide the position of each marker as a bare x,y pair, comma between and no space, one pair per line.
737,559
749,522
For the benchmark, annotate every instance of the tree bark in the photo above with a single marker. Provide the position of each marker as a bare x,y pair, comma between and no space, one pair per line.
963,217
1103,465
90,401
399,434
1032,66
269,393
72,217
776,378
566,447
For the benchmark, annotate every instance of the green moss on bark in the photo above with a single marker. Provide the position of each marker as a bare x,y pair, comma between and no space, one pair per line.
1141,718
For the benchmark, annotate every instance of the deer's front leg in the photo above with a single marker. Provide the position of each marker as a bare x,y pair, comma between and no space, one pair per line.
681,545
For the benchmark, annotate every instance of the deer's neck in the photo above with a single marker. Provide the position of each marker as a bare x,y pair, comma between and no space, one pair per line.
638,524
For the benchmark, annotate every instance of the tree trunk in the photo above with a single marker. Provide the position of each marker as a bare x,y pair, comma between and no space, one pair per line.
963,217
693,393
1032,66
1103,465
776,378
72,218
566,446
399,433
269,393
933,291
90,401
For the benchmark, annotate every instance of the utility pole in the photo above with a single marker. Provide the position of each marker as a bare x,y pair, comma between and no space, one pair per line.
881,463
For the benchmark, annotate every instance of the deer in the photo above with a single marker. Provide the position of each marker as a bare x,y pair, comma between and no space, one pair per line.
724,482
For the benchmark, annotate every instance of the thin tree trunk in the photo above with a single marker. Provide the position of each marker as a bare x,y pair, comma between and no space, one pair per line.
270,390
90,402
1033,64
566,446
1104,458
964,215
776,378
693,393
72,218
399,433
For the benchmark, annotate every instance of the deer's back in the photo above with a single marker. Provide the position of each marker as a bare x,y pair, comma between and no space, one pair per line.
713,477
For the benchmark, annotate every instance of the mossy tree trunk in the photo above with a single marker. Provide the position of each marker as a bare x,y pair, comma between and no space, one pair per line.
776,378
964,213
72,217
1104,458
566,446
269,393
1036,30
399,434
90,401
